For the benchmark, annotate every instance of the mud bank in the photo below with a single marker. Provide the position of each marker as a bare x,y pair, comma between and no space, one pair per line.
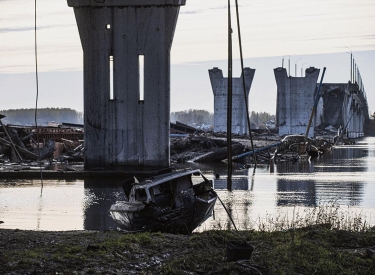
319,250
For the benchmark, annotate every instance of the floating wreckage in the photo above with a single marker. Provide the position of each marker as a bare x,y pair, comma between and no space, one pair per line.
172,201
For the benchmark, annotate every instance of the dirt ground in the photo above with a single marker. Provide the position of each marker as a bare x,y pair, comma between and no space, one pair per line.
313,250
109,252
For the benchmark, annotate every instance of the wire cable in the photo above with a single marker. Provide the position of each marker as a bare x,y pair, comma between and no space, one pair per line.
243,84
229,215
37,89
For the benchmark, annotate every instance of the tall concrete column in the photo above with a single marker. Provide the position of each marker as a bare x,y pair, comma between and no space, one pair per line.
295,99
126,123
219,86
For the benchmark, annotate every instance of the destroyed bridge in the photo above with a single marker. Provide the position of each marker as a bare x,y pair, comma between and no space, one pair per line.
126,48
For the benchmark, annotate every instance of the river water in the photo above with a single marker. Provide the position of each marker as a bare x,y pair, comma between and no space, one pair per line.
344,178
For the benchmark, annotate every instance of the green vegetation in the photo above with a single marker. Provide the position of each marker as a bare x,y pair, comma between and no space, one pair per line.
204,117
281,246
313,250
44,116
193,116
261,118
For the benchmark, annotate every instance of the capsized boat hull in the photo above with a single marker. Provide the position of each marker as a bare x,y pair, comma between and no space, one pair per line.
185,211
182,220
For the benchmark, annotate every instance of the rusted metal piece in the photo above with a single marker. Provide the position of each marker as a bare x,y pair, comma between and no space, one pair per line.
51,133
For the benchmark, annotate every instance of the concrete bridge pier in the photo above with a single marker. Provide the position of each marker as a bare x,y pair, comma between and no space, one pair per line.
126,45
295,100
219,86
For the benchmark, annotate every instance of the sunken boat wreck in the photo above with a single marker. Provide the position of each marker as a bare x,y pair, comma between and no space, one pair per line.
172,202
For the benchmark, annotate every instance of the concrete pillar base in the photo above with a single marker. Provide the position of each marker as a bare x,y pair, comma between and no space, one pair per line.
126,119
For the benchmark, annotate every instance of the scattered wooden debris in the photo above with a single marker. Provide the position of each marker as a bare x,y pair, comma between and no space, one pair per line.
25,144
219,154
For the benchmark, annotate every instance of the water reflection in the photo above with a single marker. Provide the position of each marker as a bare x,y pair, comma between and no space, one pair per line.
103,194
346,176
293,189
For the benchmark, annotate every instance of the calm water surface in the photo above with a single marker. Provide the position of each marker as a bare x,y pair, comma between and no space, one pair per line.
345,176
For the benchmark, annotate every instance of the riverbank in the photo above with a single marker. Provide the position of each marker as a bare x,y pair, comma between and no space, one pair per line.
311,250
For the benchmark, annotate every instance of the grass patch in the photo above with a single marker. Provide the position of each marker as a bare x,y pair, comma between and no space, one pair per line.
319,241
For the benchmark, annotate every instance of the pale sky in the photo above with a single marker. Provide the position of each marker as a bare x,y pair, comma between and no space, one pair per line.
308,32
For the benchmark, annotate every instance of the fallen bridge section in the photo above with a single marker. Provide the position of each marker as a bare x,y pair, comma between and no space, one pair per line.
343,106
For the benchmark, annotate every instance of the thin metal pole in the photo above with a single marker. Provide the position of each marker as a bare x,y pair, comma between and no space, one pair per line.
229,101
244,85
295,67
351,67
353,71
351,57
358,78
302,68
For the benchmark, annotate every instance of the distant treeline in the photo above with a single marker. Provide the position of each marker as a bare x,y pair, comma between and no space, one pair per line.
44,116
193,116
261,118
205,117
60,115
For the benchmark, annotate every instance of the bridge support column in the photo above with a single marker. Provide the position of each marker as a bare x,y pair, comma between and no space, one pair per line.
126,45
220,89
295,100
